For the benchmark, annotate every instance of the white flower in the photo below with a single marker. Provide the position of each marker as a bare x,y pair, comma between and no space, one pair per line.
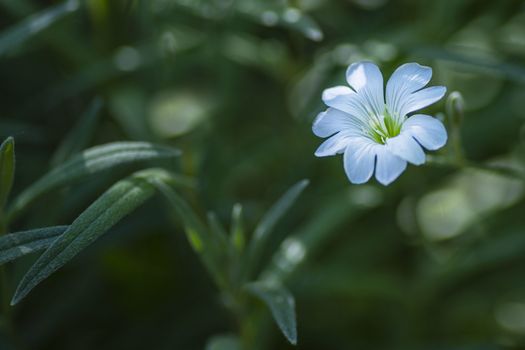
378,135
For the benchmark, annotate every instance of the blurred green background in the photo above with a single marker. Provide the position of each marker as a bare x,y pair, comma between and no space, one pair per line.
434,261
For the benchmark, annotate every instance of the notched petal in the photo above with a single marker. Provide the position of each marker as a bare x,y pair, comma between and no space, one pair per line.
389,166
359,160
333,145
330,122
428,131
366,79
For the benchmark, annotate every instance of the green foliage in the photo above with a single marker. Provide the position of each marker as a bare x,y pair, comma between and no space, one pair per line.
80,136
433,261
12,38
120,200
18,244
88,163
262,232
281,303
223,342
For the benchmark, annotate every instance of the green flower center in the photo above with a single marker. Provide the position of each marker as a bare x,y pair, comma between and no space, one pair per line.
384,127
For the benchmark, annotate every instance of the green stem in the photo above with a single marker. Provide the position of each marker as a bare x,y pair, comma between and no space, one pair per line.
457,147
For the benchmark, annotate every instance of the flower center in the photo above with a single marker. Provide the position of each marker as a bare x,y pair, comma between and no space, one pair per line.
384,127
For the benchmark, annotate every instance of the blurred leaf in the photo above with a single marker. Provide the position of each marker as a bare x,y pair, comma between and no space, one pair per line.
277,15
89,162
323,226
224,342
269,220
18,244
128,107
281,304
117,202
511,71
237,235
218,232
79,137
16,35
7,169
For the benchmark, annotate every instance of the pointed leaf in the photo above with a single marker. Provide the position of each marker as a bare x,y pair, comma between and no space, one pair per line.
18,244
79,137
7,169
120,200
281,304
17,34
342,207
218,232
89,162
270,219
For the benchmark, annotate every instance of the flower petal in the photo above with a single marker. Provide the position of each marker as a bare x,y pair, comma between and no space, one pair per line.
421,99
389,166
331,121
428,131
345,99
404,146
405,80
333,145
366,79
359,159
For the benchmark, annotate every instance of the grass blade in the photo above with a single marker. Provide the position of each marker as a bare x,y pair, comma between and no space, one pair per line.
281,304
18,244
89,162
117,202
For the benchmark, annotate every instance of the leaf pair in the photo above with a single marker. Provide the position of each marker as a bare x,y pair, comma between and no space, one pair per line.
63,243
117,202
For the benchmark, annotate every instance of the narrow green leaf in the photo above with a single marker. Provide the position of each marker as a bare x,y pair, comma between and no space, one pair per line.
120,200
18,244
281,304
7,169
268,222
89,162
237,235
17,34
197,231
224,342
198,234
79,137
218,232
323,226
